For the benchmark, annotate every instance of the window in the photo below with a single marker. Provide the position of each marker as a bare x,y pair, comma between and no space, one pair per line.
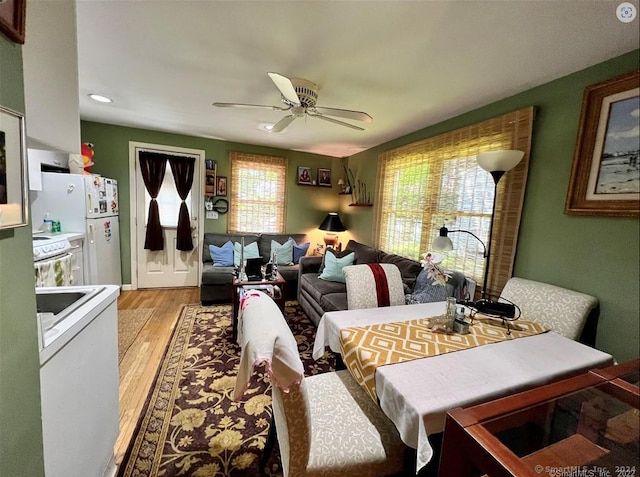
257,196
168,201
425,185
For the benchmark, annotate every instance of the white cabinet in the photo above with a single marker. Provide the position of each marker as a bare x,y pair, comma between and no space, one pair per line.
77,261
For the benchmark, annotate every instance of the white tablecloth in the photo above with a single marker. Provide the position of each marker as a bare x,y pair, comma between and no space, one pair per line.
416,395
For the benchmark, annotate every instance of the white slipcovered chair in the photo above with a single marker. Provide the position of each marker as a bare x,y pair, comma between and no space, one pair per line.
326,424
559,309
369,289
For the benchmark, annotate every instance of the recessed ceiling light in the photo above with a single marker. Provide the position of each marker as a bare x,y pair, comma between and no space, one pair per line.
266,126
100,99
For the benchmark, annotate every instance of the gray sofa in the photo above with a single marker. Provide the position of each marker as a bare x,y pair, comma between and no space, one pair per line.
318,296
215,286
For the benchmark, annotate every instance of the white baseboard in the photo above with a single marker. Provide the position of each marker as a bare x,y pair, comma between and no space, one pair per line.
111,469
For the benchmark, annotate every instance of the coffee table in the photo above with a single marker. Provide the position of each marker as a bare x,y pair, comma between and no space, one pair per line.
585,425
237,286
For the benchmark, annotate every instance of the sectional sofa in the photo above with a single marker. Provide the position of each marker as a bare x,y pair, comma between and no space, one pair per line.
317,296
215,286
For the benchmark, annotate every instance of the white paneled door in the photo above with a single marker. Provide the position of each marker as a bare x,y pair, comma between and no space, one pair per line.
168,267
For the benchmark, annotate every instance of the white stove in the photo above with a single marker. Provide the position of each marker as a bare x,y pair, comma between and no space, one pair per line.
47,246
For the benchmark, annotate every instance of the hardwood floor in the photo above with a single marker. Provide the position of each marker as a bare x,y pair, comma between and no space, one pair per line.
139,364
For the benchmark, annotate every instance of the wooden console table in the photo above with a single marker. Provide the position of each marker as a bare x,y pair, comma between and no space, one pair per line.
589,423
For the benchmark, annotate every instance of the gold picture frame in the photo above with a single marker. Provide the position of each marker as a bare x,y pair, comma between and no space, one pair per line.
13,170
12,19
605,173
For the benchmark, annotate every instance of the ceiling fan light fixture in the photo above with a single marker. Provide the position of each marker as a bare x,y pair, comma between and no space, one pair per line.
300,96
266,126
100,98
306,90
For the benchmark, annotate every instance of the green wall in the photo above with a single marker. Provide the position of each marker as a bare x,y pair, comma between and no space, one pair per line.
20,423
306,206
594,255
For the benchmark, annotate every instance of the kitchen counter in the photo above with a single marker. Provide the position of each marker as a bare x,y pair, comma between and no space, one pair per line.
54,339
79,386
68,235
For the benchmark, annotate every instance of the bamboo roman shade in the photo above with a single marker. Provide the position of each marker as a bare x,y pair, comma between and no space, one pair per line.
257,196
437,181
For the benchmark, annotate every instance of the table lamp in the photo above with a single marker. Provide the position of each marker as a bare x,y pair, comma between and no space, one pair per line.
331,223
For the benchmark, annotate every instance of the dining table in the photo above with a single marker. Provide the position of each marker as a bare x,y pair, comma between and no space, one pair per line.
417,393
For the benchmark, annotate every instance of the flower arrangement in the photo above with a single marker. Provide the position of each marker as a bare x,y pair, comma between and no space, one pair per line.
436,273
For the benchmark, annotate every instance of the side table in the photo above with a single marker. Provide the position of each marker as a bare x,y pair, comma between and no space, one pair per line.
588,424
237,286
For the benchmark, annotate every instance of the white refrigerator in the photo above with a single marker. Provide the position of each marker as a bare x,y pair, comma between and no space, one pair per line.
84,204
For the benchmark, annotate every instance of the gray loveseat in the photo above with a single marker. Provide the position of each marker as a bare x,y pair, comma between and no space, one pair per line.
317,296
215,286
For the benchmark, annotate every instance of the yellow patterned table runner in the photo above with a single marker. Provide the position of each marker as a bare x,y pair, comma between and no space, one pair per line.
364,348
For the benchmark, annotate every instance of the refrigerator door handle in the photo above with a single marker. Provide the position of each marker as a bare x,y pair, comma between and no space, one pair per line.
89,202
91,234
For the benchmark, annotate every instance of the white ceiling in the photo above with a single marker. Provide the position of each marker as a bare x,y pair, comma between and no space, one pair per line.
409,64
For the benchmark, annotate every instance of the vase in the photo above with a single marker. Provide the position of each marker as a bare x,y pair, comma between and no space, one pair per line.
450,313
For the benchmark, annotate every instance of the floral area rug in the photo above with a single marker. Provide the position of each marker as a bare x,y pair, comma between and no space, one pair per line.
190,425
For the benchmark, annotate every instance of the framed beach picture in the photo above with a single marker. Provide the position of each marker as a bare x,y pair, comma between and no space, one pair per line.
13,170
304,176
605,174
324,177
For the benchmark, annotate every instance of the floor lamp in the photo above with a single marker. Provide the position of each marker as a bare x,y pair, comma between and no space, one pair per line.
497,163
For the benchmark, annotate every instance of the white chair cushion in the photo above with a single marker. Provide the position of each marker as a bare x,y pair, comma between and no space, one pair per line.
350,435
559,309
366,289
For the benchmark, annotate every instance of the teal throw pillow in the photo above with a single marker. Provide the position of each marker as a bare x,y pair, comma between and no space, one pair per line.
333,267
284,252
250,251
222,256
299,250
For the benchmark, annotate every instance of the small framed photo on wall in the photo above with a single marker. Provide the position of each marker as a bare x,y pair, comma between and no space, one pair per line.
210,183
304,175
221,186
324,177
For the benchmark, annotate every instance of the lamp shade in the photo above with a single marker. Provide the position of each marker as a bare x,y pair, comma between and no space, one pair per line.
504,160
332,223
442,241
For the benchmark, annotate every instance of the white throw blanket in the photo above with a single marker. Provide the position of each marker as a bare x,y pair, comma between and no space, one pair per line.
265,337
55,273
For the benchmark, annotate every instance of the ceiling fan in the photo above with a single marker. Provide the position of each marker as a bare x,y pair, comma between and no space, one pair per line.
300,96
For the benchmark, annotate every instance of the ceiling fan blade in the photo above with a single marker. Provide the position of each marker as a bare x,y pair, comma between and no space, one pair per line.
335,121
252,106
345,113
286,87
283,123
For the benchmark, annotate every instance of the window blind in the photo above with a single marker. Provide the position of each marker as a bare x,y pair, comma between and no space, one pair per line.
257,197
434,182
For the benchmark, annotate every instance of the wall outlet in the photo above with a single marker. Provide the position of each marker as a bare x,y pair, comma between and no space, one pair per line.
211,214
